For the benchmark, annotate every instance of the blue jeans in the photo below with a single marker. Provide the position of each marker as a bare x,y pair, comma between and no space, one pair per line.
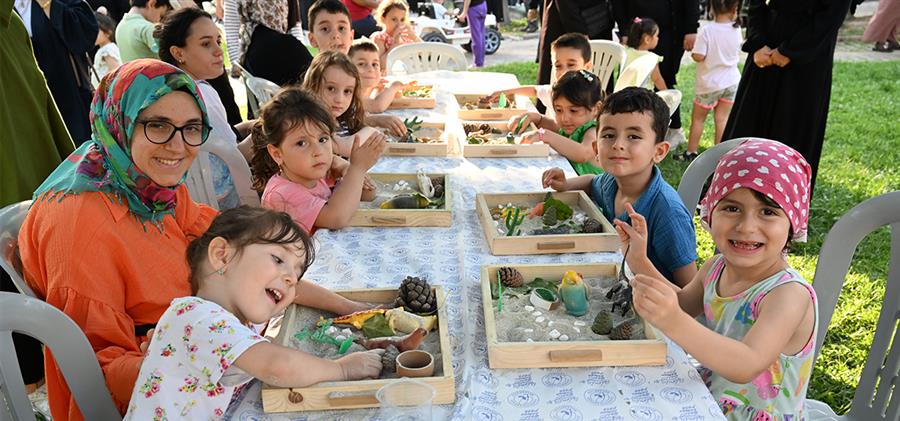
475,18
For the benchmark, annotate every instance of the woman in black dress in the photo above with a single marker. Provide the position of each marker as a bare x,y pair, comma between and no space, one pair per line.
786,86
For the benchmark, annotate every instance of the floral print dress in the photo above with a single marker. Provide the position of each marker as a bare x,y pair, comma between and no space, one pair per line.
187,372
779,392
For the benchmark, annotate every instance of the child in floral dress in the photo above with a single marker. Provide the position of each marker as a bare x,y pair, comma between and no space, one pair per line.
245,269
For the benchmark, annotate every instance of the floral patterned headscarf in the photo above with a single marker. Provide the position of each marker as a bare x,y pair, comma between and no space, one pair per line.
104,162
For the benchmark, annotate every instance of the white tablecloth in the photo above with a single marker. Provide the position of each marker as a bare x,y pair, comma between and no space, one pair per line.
452,257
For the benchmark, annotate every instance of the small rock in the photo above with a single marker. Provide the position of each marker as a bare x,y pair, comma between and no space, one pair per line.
564,337
340,337
529,340
332,329
577,329
528,330
550,323
529,308
540,319
347,332
579,323
536,313
554,334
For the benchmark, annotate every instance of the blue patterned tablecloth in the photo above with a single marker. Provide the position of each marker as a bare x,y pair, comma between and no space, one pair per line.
452,257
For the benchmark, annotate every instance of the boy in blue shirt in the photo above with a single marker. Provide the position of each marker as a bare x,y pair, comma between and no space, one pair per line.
632,128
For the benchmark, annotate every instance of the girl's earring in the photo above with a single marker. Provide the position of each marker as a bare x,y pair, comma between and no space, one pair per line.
221,271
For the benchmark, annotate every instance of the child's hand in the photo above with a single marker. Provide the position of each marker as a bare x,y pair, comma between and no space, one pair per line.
361,365
534,136
513,124
554,178
366,155
396,85
656,301
633,236
369,191
145,345
393,123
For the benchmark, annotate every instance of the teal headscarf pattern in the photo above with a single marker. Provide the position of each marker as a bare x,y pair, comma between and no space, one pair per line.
104,162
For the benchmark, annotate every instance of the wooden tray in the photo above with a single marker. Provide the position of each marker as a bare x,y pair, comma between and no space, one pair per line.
424,149
544,244
405,217
486,114
505,150
405,102
651,351
359,393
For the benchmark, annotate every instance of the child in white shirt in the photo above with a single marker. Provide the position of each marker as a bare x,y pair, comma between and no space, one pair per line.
107,57
716,52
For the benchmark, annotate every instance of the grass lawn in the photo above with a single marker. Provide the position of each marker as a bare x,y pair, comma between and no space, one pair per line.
860,160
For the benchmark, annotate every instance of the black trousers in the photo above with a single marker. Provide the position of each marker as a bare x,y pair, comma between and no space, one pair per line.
668,68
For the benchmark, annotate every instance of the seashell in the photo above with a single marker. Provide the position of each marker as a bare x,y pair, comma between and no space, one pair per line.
564,337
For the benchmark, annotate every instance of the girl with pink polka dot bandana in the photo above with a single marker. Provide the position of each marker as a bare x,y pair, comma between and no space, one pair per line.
757,332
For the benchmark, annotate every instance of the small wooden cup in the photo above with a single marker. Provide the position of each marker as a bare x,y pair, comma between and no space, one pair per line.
415,363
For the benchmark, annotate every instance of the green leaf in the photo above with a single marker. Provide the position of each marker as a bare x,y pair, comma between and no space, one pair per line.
377,327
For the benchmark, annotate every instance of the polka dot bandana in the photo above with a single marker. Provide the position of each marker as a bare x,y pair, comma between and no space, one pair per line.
769,167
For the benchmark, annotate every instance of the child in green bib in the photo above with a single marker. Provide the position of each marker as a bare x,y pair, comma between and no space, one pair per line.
576,100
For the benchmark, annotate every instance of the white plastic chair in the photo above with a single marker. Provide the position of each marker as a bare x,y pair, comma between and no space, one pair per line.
11,219
199,179
260,89
425,56
607,57
877,397
701,168
637,73
71,350
672,97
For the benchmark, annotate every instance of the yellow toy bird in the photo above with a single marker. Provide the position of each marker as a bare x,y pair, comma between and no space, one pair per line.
574,293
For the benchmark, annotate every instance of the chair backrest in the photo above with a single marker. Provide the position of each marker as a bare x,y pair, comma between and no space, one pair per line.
672,97
11,219
607,57
200,178
636,73
875,397
261,89
420,57
71,350
701,168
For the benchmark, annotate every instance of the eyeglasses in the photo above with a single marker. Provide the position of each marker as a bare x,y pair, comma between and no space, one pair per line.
161,132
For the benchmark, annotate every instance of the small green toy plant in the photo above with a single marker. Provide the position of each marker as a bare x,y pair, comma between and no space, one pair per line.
557,209
321,335
512,221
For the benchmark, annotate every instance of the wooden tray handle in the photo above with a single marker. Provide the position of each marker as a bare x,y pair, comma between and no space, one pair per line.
504,152
362,398
395,149
392,220
556,245
492,115
576,355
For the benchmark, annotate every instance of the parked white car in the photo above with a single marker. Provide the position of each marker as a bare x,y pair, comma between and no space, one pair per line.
449,31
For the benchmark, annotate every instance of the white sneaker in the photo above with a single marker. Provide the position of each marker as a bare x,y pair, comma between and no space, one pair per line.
675,137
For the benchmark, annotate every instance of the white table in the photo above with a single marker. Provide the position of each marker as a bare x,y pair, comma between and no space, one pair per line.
452,257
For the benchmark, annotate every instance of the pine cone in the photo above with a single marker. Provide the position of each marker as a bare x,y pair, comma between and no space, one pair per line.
416,296
602,323
511,277
592,226
622,332
389,359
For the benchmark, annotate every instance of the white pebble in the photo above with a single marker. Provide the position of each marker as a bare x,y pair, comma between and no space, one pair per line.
577,329
347,332
529,340
579,323
528,330
564,337
554,334
529,308
340,337
536,313
540,319
332,329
